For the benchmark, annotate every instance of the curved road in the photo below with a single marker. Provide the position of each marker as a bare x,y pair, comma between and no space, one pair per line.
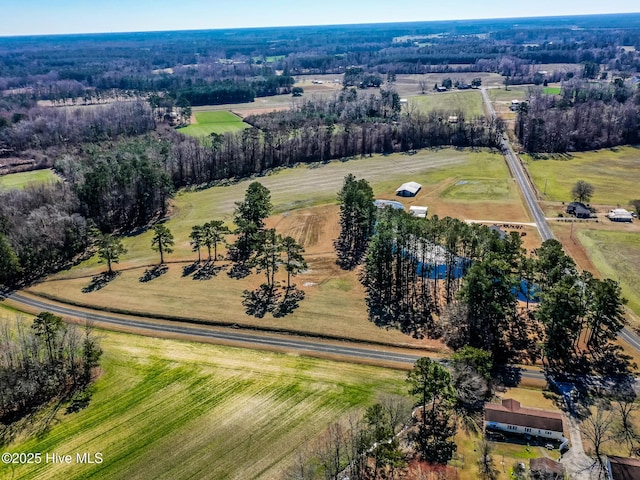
356,354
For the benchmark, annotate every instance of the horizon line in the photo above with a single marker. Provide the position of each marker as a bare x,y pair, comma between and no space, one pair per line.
265,27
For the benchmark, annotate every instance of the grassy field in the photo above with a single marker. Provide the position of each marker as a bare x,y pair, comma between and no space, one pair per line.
616,255
21,180
607,170
165,409
552,90
305,201
214,122
468,101
514,93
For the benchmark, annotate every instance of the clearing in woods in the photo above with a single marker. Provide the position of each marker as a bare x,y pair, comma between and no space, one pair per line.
214,122
164,409
20,180
469,102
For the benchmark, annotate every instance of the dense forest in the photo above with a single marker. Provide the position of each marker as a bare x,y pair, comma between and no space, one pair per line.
586,116
87,68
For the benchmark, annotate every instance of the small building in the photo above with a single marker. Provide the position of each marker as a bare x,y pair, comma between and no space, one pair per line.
623,468
515,104
510,417
620,215
409,189
571,208
420,212
453,119
546,469
441,89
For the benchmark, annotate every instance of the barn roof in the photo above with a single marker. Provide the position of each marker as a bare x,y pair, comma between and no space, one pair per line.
511,413
412,187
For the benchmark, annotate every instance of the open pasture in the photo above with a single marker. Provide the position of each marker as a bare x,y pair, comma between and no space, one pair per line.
164,409
218,122
469,102
616,255
607,170
20,180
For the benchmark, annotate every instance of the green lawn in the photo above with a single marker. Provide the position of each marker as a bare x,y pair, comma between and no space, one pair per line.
467,101
480,188
21,180
214,122
616,255
165,409
552,90
611,172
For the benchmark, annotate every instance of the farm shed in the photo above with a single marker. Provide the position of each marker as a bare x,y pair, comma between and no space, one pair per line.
420,212
408,189
512,418
620,215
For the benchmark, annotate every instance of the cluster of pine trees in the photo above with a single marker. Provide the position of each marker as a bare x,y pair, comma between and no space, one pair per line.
445,278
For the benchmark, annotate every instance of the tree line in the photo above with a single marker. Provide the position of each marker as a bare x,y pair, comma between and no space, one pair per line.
47,361
584,117
41,128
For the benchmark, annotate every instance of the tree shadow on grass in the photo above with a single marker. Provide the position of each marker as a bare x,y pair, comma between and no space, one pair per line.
100,281
208,271
291,301
153,273
258,302
189,269
239,270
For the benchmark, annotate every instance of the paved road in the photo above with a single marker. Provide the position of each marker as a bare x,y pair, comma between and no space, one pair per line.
528,192
148,326
517,170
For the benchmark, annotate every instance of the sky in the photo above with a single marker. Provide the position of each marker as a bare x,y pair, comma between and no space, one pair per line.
36,17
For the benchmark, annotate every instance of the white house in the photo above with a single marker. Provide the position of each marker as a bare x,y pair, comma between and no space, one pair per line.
511,418
420,212
408,189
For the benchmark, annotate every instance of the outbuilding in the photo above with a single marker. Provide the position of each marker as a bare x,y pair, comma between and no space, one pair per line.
623,468
420,212
409,189
620,215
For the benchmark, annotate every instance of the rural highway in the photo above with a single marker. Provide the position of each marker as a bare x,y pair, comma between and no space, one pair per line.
517,170
249,340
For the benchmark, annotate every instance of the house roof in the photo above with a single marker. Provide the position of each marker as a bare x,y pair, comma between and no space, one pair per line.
545,464
511,413
412,187
623,468
417,211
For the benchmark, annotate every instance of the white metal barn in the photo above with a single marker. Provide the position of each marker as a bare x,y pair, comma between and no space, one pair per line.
620,215
408,189
420,212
